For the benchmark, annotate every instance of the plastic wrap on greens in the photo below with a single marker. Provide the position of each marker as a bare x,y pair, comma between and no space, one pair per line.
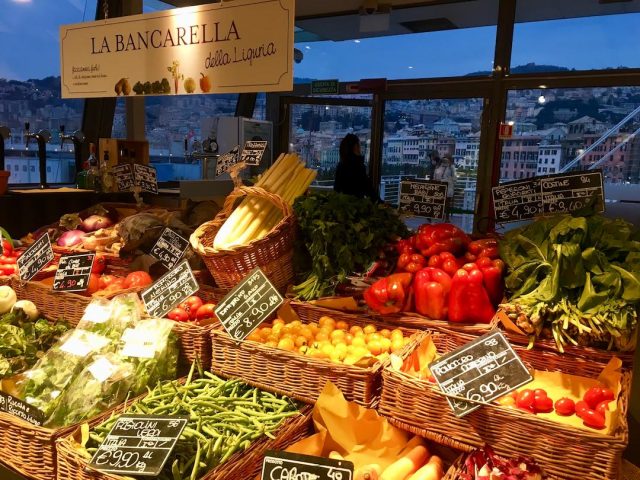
147,354
112,318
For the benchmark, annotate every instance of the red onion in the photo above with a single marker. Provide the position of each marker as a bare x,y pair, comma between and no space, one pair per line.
96,222
70,238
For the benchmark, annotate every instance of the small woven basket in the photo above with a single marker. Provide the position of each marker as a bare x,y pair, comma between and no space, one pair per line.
563,451
240,466
296,375
273,253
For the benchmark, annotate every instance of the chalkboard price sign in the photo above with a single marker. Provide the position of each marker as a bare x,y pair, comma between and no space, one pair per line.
169,290
20,409
482,370
546,195
146,178
249,304
285,465
124,177
139,444
253,152
227,160
73,272
169,248
35,258
423,198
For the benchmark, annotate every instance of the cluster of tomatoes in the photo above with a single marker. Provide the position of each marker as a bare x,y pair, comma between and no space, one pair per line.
8,259
591,409
192,309
109,283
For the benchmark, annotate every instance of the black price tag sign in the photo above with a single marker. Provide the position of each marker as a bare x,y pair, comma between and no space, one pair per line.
169,248
482,370
170,289
139,444
20,409
35,258
253,152
283,465
73,272
146,178
227,160
249,304
547,195
124,177
423,198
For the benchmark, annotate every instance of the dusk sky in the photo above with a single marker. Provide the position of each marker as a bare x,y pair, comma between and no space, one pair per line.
30,46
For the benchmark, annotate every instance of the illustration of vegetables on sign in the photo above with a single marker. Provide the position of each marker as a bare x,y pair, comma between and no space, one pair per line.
205,83
156,87
123,87
175,73
189,85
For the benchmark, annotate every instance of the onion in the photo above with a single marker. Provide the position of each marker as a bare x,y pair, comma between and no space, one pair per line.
70,238
96,222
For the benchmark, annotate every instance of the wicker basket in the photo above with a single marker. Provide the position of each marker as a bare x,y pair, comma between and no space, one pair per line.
296,375
563,451
273,253
241,466
415,320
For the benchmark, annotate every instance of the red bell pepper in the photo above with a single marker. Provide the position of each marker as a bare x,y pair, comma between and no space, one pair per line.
492,274
485,247
411,262
468,299
445,261
432,239
405,246
431,288
389,294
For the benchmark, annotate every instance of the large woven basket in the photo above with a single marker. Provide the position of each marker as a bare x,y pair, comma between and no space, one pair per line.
240,466
273,253
563,451
296,375
415,320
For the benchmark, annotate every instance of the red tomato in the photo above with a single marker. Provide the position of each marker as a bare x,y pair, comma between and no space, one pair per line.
447,256
138,279
526,399
191,305
593,419
607,394
206,311
540,393
106,280
565,407
94,283
7,260
543,404
7,248
581,407
118,283
99,263
8,269
594,396
178,314
603,407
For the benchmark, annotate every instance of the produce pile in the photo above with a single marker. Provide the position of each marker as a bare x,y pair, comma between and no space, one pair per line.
442,275
339,236
193,309
484,464
9,257
332,340
225,417
110,355
24,336
575,280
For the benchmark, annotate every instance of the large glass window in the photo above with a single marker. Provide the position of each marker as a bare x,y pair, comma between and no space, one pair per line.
30,87
418,132
316,132
601,40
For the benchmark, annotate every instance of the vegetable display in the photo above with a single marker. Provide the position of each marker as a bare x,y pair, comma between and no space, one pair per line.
331,340
225,417
255,217
24,337
339,236
575,280
193,309
8,259
484,464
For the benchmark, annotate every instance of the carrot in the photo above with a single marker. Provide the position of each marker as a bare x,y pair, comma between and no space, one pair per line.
407,464
431,471
368,472
413,442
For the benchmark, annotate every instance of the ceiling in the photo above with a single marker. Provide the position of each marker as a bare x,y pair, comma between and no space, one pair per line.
344,19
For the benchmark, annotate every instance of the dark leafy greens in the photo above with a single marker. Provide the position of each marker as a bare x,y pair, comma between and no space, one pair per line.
339,236
574,279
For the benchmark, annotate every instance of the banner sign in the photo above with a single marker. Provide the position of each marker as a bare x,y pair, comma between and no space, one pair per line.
227,47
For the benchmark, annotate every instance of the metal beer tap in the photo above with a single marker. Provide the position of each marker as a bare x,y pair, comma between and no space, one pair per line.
77,138
42,137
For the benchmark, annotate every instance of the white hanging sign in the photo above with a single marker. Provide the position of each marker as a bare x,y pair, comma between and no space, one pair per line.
227,47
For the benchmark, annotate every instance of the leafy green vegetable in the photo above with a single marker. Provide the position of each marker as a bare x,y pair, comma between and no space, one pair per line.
340,235
574,279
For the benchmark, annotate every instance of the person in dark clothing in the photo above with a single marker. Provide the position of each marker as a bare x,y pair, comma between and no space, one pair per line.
351,172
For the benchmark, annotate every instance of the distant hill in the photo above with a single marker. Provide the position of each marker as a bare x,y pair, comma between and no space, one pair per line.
523,69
